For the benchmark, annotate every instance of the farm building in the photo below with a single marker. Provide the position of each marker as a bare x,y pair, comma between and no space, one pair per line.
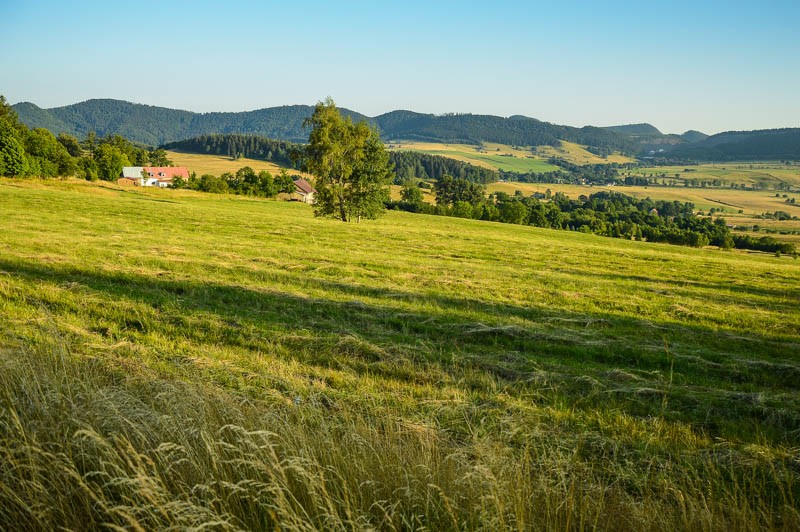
303,191
152,176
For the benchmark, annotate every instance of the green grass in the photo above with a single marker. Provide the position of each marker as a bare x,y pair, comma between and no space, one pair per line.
172,359
504,162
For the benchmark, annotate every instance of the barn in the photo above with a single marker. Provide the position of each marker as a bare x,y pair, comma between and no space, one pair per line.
303,191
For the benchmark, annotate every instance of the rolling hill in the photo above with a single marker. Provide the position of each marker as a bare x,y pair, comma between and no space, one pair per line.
158,125
767,144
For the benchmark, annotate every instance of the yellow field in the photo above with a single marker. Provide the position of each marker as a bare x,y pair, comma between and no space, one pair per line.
219,164
576,154
568,151
459,152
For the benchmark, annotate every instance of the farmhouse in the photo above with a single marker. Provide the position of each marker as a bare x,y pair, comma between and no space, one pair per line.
303,191
152,176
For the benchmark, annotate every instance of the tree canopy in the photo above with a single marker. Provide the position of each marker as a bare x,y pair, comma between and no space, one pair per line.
350,164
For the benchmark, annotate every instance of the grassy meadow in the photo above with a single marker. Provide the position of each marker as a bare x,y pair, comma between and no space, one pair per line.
489,155
577,154
172,359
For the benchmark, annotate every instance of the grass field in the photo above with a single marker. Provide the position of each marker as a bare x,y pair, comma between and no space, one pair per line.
493,156
217,164
749,174
576,154
178,360
510,158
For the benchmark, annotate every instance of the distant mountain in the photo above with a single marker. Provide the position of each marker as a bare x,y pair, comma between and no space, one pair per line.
650,140
153,126
158,125
694,136
763,145
636,130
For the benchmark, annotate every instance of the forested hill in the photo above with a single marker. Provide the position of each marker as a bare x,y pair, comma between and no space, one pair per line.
158,125
766,144
636,129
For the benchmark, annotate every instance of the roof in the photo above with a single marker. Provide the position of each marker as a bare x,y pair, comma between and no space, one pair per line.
134,172
170,172
303,186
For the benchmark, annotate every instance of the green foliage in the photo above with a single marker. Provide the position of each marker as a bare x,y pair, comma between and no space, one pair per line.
350,164
70,144
12,153
109,160
416,165
450,190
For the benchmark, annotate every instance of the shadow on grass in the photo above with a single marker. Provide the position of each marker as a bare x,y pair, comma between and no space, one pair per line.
712,381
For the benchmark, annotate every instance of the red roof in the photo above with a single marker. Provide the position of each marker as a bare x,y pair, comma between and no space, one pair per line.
303,186
170,172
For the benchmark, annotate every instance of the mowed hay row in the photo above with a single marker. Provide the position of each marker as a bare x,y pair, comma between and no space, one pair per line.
190,359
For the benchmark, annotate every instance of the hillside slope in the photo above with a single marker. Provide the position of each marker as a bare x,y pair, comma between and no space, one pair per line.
762,145
157,125
179,360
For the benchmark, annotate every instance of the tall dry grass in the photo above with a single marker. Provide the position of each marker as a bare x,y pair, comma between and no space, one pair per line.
84,446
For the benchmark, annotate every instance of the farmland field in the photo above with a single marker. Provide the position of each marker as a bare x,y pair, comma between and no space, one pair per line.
573,153
218,164
749,174
172,359
493,156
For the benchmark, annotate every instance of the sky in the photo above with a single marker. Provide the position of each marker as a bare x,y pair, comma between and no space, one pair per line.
706,65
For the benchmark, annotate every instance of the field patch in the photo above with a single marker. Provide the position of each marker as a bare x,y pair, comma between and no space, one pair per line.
218,164
488,155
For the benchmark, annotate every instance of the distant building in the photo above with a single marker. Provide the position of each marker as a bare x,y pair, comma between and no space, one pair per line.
152,176
303,191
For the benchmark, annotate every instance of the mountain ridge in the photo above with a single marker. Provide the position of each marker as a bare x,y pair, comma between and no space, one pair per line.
155,125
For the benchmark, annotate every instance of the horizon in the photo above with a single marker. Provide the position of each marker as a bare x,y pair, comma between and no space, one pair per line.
391,110
681,67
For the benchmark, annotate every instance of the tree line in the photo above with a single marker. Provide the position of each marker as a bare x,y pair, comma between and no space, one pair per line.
244,182
605,213
237,145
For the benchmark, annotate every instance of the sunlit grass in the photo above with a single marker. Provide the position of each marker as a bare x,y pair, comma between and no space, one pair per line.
178,359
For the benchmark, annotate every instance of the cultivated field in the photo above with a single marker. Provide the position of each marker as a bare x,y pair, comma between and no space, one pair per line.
576,154
510,158
749,174
218,164
173,359
489,155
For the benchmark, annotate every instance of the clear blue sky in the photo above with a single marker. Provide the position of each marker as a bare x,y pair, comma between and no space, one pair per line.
712,66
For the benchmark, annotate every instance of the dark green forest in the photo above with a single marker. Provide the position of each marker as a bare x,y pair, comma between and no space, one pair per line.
158,125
